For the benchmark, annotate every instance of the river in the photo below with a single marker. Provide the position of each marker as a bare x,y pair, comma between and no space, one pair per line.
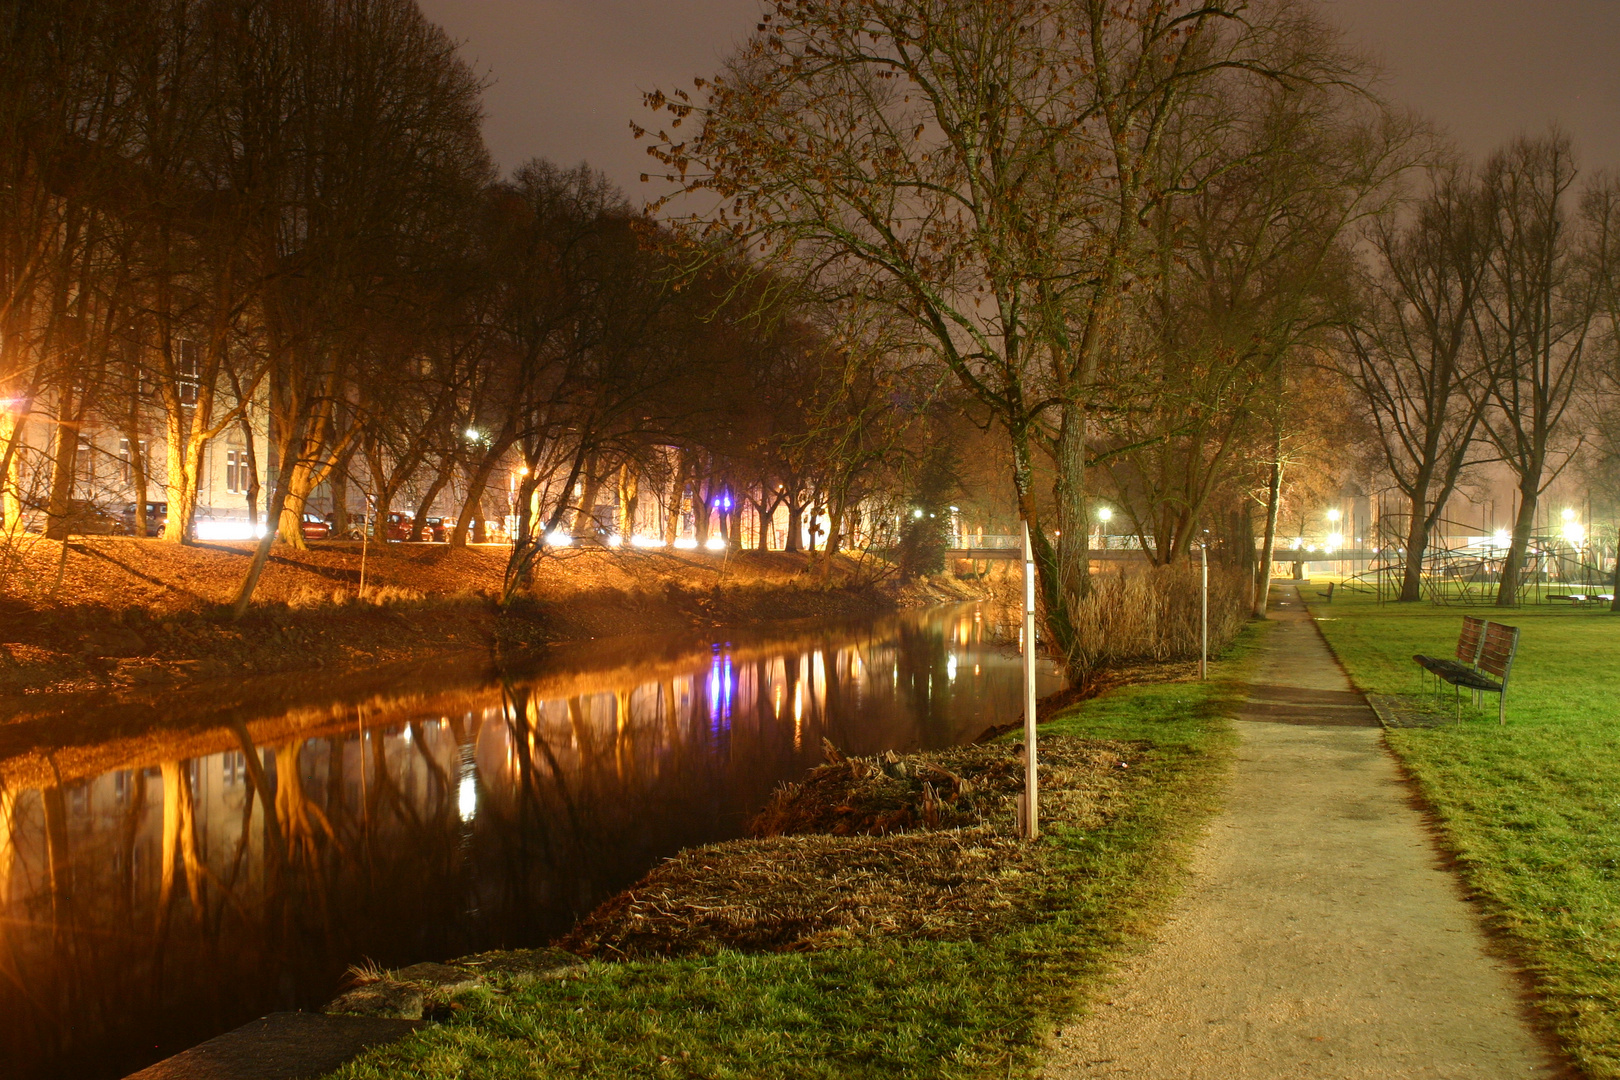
233,851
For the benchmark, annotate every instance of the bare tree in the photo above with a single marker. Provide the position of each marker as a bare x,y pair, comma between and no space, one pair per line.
1601,210
984,171
1412,356
1533,324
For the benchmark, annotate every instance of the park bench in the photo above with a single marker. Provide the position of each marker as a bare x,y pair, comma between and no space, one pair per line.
1328,592
1485,652
1577,599
1469,641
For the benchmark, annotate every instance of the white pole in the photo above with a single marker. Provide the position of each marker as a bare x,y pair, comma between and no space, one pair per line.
1031,825
365,527
1203,622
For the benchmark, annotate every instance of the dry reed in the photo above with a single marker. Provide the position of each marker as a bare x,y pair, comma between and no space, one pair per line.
960,876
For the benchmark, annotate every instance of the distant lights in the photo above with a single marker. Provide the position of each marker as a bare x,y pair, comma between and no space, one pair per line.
1569,514
558,538
229,530
1500,538
1333,515
472,433
615,540
716,543
1105,514
647,542
686,543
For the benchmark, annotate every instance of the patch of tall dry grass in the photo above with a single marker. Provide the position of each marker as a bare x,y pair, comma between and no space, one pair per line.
1138,613
1152,613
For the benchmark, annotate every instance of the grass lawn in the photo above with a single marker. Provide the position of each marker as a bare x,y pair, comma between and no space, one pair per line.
897,1009
1531,809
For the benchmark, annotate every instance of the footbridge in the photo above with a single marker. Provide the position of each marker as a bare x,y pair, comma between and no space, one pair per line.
1129,548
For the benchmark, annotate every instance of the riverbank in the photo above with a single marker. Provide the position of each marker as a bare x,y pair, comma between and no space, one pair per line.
701,969
122,612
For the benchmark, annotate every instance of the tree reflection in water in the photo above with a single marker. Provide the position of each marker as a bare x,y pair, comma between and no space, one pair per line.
148,907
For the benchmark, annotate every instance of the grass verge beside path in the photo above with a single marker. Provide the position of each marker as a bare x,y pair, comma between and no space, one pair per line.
1532,810
895,1008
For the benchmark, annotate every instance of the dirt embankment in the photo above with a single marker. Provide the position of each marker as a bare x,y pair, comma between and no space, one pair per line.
129,612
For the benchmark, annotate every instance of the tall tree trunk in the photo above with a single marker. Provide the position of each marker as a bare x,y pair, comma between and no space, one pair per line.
795,525
261,550
64,468
1268,547
473,506
13,429
180,480
702,492
1507,591
1417,545
1614,582
440,478
1053,601
584,511
677,503
629,494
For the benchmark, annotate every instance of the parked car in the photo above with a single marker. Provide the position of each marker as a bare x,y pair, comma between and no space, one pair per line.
351,526
87,519
399,525
436,530
157,516
315,527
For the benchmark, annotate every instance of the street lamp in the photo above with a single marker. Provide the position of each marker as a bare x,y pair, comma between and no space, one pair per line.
1573,531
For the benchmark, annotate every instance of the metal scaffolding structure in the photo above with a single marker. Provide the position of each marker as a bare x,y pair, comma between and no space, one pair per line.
1463,569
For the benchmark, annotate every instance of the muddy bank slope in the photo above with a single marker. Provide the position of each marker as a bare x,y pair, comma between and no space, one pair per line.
125,612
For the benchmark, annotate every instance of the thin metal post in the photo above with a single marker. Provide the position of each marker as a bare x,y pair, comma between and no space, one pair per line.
1031,825
365,528
1203,651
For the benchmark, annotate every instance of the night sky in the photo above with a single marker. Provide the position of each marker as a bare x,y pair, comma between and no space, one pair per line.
567,74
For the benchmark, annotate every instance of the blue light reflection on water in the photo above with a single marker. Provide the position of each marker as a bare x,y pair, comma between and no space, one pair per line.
186,884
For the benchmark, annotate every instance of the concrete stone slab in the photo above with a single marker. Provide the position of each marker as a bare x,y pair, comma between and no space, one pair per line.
281,1046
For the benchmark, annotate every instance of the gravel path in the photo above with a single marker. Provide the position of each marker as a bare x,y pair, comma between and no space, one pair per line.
1320,937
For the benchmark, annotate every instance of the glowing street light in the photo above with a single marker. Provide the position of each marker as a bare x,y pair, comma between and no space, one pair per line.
1500,538
1333,515
1105,514
1573,530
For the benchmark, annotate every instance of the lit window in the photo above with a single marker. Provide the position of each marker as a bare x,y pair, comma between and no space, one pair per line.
186,372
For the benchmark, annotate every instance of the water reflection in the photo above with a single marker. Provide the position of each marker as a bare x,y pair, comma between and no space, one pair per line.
146,907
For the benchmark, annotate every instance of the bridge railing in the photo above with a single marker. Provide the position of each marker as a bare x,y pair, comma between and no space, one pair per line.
1006,542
